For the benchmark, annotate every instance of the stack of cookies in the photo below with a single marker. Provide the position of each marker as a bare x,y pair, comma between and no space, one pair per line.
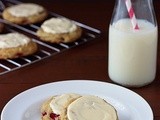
53,30
77,107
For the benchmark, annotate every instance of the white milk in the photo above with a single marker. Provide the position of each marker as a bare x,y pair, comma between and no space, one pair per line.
132,53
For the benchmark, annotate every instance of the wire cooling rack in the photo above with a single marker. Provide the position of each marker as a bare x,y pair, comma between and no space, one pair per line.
45,49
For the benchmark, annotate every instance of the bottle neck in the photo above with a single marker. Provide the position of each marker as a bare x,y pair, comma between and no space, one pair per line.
143,9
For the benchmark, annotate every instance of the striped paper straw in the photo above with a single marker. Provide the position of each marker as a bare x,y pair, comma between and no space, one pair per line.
131,14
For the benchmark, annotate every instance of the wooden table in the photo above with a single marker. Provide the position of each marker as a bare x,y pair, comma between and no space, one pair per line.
88,61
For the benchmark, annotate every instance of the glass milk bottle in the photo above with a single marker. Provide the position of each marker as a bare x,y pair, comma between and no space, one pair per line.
133,43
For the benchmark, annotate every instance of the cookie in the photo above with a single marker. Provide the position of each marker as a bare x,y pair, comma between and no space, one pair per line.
77,107
56,107
25,13
46,111
14,45
59,30
91,107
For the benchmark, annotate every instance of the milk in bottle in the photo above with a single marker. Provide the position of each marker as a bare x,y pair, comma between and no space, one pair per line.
132,54
133,36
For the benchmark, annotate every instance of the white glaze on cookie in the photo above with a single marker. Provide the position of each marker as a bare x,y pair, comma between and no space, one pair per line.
58,25
91,108
11,40
59,103
25,10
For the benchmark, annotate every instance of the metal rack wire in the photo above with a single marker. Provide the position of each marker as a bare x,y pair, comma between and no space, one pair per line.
45,49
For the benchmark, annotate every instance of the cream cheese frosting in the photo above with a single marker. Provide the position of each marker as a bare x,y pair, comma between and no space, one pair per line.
59,103
91,108
11,40
25,9
58,25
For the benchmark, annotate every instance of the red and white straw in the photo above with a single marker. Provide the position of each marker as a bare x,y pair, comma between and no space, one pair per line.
131,14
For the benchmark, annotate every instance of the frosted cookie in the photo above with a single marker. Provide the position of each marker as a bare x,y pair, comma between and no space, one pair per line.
77,107
57,30
25,13
56,107
14,45
91,108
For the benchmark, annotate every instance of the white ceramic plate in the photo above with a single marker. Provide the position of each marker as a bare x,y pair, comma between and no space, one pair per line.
26,105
